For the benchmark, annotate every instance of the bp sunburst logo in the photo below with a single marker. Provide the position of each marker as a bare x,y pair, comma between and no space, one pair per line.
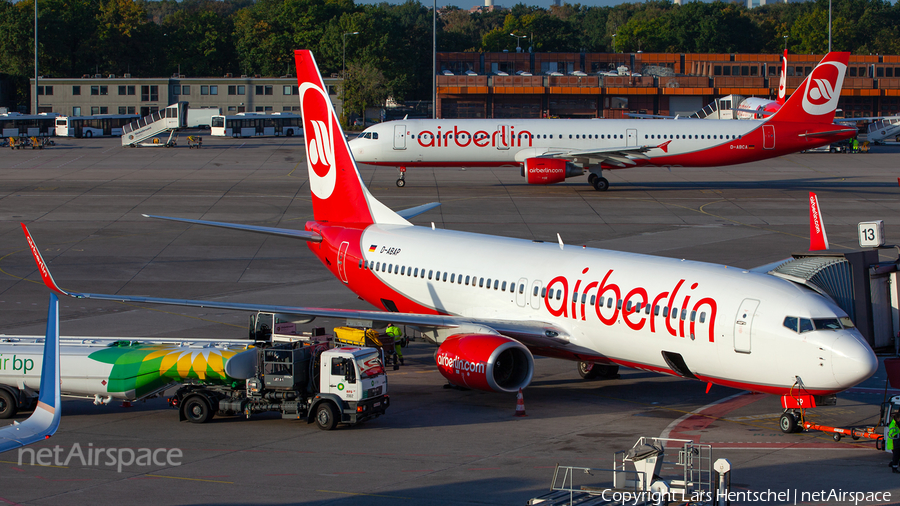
340,386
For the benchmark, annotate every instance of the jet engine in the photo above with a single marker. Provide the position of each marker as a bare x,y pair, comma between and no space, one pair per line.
549,170
485,362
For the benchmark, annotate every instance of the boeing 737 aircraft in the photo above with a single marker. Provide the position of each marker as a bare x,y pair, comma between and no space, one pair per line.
45,419
490,302
551,150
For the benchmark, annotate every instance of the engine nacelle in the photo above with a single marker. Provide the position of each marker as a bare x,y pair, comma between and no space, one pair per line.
485,362
549,170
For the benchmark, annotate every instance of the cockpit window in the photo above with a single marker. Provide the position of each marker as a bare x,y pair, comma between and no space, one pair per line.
791,322
802,325
805,325
827,324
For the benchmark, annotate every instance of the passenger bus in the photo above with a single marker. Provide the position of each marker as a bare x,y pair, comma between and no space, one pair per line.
100,125
14,124
251,124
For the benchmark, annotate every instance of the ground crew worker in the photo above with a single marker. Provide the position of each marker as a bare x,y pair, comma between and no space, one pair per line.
395,332
893,442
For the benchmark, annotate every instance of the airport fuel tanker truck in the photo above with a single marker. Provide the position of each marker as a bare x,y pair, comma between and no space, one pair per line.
300,376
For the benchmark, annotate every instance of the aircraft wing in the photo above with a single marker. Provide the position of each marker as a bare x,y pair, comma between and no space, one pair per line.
283,232
45,420
530,333
867,118
622,156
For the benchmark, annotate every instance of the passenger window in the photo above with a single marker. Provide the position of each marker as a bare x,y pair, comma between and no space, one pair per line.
496,284
390,268
453,278
656,310
360,263
693,315
558,294
416,273
429,273
423,273
683,314
521,288
703,317
378,266
503,287
790,322
602,301
445,276
609,302
481,283
628,306
543,292
467,280
535,292
593,299
583,298
618,304
459,279
674,313
666,312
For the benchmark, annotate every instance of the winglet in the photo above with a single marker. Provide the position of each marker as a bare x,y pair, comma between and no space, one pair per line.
818,240
42,266
664,146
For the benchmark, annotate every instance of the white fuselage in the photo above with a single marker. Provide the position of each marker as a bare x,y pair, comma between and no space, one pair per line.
510,142
733,330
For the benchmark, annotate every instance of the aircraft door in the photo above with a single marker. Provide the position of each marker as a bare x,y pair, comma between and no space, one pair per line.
535,294
631,137
521,296
768,136
504,139
342,261
399,136
743,325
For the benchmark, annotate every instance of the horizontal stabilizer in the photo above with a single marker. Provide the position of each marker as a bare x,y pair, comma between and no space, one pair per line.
415,211
283,232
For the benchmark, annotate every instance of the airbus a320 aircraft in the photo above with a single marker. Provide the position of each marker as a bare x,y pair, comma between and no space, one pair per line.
551,150
492,302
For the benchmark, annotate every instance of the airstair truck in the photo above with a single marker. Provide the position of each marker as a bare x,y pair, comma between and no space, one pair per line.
298,375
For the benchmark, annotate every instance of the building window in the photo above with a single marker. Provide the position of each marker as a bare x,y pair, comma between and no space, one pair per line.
104,110
149,93
123,90
287,90
95,90
131,90
232,89
176,90
213,89
186,90
232,108
264,90
259,108
130,109
76,111
268,108
204,90
122,109
95,110
76,90
104,90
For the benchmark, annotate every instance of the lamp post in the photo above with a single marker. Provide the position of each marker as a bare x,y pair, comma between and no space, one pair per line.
343,67
518,41
614,42
36,105
829,26
785,42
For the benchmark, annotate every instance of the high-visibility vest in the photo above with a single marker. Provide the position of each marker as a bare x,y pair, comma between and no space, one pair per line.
893,435
393,331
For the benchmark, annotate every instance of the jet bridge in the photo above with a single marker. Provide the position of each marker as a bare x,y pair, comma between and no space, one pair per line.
169,120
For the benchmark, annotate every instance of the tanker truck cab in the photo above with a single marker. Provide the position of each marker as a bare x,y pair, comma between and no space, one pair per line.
353,387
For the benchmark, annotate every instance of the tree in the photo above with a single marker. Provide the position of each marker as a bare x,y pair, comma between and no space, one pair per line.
364,87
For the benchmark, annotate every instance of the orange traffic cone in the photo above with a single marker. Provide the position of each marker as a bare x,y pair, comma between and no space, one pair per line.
520,404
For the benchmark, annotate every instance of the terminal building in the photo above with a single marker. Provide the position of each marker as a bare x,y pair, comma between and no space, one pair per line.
111,94
610,85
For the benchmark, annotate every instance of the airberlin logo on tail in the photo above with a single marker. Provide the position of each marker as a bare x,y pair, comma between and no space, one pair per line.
318,125
823,88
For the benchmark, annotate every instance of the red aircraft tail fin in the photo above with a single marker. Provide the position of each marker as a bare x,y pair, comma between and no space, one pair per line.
816,99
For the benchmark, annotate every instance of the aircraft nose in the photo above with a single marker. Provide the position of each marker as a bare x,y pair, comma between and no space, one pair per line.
853,361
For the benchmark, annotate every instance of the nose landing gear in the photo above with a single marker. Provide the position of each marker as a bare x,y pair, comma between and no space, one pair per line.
402,181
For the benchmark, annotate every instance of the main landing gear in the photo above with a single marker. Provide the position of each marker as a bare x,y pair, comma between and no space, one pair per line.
402,181
600,183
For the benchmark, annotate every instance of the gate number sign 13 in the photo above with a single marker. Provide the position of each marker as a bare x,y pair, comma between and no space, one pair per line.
871,234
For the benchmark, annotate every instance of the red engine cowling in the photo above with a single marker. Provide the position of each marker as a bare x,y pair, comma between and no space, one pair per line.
485,362
549,170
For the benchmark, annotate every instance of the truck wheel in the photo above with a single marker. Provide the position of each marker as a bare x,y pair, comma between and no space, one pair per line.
197,409
326,418
8,404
